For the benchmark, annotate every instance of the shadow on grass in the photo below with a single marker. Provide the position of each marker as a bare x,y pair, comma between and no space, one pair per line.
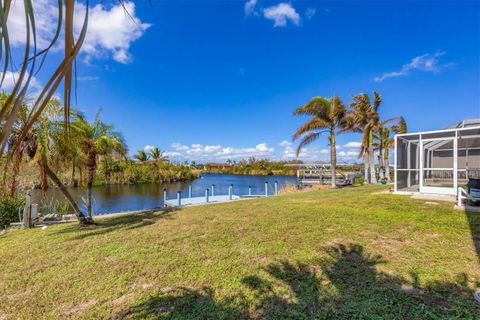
345,284
123,222
474,224
185,303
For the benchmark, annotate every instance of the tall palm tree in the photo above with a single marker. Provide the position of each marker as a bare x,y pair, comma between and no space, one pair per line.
365,118
386,142
141,156
96,139
327,115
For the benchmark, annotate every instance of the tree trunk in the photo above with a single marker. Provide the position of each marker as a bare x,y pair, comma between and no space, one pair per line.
387,166
16,168
91,166
73,182
371,154
381,165
27,211
81,218
333,159
366,167
80,171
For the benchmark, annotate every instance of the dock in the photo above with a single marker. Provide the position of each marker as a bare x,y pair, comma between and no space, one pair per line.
200,200
211,196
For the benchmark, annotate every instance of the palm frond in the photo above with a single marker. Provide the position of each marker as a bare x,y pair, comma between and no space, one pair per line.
307,140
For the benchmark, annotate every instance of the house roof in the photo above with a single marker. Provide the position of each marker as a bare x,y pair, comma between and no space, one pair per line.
466,123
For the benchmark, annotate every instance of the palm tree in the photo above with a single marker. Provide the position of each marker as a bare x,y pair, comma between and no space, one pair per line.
157,154
386,142
141,156
39,146
96,139
365,118
327,115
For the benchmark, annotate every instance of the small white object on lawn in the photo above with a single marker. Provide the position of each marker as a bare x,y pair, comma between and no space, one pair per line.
44,227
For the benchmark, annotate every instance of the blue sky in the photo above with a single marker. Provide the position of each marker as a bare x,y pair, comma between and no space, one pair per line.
211,80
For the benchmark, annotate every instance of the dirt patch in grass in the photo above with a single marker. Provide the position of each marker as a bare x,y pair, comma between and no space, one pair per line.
76,308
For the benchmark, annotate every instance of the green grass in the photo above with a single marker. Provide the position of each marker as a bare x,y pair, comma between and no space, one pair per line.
347,254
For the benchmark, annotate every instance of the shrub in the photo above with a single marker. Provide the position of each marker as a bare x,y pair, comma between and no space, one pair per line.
9,210
359,181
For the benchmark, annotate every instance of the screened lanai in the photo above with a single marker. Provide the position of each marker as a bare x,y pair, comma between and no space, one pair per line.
438,162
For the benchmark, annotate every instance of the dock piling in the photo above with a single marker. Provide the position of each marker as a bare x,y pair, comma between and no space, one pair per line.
164,197
179,198
249,190
190,191
276,188
266,188
206,195
230,191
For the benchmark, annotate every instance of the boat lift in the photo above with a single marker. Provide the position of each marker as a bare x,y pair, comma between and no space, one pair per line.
320,173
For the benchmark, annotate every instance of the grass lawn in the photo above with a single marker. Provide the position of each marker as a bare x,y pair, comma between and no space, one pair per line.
348,254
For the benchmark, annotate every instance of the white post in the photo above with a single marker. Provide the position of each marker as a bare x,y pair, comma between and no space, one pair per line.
276,188
419,161
459,197
395,185
455,161
164,197
206,195
230,190
420,182
266,188
249,190
190,191
179,198
409,175
213,190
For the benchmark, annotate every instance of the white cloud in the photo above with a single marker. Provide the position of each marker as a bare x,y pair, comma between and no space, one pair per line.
281,14
310,12
46,14
201,152
11,78
285,144
250,7
110,31
353,144
148,148
345,153
427,63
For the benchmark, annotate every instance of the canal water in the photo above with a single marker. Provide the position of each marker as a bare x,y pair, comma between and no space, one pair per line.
118,198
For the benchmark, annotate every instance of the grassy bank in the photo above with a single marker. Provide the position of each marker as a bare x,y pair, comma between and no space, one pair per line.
347,253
